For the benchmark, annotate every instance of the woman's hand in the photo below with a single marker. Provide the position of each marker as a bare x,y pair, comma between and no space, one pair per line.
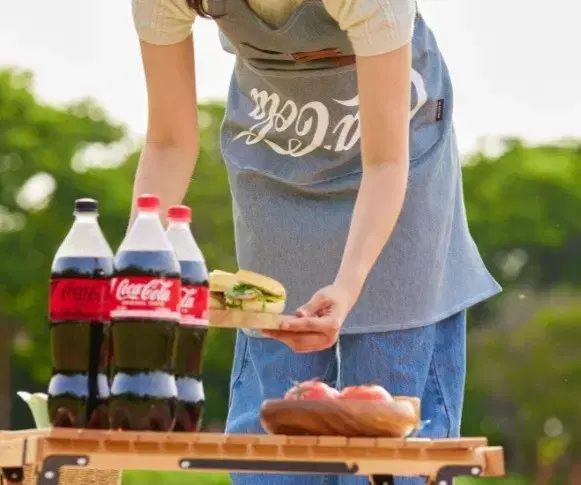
317,323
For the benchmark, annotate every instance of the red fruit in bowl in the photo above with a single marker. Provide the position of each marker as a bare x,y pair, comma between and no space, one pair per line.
311,390
366,392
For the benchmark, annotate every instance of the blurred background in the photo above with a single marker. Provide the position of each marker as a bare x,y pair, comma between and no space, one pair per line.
72,119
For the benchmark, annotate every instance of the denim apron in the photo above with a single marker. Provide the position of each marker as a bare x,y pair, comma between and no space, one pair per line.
290,141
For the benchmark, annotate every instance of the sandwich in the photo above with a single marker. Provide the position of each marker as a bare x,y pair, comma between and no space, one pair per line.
254,292
221,282
246,291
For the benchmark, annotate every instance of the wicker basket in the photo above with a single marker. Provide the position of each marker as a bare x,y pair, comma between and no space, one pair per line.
78,477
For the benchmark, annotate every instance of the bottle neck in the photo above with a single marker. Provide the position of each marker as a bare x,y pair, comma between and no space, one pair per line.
148,214
179,225
85,238
86,217
183,242
146,233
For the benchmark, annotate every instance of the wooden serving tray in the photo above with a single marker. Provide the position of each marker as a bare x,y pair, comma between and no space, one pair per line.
394,419
244,319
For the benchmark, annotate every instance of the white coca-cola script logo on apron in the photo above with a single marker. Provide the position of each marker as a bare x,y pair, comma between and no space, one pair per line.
311,122
152,291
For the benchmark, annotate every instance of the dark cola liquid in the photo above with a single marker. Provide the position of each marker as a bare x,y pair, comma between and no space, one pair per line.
143,390
79,389
189,354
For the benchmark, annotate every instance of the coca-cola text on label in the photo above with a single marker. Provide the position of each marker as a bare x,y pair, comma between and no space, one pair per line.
145,297
79,299
194,305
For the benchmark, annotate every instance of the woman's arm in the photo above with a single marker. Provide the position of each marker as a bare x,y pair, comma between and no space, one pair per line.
172,143
383,46
384,99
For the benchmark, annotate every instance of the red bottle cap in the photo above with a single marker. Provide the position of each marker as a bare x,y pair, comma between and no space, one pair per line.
181,213
148,202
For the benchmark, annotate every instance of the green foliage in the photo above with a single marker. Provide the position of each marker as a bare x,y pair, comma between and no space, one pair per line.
524,378
176,478
37,144
528,376
524,211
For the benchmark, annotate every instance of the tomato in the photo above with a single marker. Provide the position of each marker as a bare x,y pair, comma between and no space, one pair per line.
366,392
311,390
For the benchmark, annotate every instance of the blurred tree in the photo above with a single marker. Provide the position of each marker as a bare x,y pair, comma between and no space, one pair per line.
524,211
37,144
50,156
524,381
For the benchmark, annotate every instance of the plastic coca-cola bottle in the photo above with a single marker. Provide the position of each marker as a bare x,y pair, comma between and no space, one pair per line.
194,320
78,392
145,293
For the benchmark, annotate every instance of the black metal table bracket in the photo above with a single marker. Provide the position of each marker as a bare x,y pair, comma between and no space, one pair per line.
381,480
447,474
269,466
51,467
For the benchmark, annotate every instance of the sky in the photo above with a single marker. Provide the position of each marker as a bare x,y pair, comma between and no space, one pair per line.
515,64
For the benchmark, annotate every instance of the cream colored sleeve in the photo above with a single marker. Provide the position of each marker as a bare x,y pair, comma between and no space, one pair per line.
162,22
374,26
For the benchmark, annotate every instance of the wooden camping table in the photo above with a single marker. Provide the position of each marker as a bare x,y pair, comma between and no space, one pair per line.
70,457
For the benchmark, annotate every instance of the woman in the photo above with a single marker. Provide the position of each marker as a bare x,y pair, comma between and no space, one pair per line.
340,192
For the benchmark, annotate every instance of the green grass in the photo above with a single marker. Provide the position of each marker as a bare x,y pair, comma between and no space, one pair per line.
512,480
174,478
184,478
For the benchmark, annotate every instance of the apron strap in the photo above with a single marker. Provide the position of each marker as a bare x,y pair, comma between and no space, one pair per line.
216,8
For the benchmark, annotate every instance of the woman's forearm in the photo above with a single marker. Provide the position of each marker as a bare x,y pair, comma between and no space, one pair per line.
384,99
165,171
376,211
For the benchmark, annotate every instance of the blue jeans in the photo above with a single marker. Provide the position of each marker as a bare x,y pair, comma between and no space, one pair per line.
427,362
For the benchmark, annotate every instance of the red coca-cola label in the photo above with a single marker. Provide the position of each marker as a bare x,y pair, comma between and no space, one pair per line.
145,297
78,299
194,305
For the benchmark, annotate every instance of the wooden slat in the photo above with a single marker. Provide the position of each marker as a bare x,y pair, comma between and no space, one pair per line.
333,441
461,443
243,319
362,442
240,439
12,452
25,433
302,440
389,442
494,457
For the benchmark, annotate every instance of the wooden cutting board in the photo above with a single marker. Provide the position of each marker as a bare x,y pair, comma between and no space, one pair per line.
243,319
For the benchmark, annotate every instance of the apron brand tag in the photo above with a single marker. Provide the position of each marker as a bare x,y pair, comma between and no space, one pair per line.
440,110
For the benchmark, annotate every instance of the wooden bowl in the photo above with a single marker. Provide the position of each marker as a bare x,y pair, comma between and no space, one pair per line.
343,418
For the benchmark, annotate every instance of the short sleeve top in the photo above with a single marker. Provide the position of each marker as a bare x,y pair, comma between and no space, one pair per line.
373,26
